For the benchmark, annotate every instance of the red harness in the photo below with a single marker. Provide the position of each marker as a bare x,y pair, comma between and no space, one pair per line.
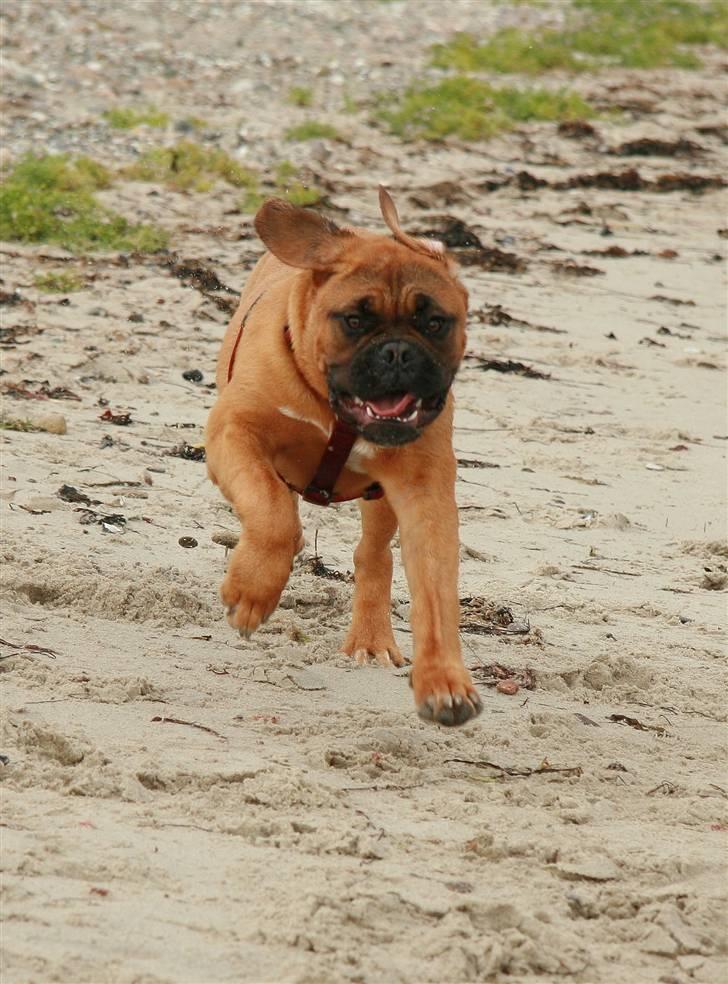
320,490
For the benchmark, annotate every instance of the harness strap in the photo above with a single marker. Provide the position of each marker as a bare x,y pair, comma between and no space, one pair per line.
239,335
320,490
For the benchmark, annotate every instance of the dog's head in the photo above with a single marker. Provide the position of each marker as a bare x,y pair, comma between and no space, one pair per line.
383,319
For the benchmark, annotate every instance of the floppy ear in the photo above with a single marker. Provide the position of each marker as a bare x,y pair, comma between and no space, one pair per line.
300,237
429,247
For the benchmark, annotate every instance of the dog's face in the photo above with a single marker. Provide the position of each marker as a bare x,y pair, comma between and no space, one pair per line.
385,320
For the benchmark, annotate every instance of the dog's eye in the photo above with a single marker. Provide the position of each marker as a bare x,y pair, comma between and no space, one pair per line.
436,325
353,322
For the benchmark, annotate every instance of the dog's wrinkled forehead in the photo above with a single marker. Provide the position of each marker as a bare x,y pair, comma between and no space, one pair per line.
393,290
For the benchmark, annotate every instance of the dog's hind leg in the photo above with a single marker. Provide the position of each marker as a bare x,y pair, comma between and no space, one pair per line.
370,636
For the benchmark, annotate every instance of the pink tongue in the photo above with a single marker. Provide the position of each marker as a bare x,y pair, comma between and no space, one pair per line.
391,406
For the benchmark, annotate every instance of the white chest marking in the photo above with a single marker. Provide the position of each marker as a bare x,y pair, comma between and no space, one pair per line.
287,412
362,449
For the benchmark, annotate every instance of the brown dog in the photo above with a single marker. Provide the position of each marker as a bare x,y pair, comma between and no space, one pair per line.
334,383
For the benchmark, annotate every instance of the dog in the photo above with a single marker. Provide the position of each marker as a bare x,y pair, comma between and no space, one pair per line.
334,383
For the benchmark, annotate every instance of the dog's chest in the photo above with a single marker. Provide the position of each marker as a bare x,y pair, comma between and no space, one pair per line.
301,453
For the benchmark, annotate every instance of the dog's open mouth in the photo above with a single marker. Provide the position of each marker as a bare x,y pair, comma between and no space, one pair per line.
392,419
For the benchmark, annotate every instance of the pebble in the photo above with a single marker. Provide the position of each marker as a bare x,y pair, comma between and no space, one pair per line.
509,687
187,541
52,423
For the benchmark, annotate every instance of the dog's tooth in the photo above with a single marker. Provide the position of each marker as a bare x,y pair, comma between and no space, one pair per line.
418,404
370,412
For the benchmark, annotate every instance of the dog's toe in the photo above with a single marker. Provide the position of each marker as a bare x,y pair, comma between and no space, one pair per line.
389,657
450,700
450,711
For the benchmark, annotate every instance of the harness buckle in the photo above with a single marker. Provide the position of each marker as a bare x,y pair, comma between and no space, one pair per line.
319,497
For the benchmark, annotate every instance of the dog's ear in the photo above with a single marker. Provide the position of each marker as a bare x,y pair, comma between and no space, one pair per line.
300,237
429,247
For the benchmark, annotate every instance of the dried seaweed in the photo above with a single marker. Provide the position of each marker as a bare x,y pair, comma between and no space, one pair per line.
317,567
470,251
495,314
197,275
119,419
190,452
576,129
507,366
637,725
483,617
69,493
649,147
491,674
570,268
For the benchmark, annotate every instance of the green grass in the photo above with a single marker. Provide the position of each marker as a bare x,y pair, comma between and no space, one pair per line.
289,185
23,425
510,50
313,131
286,184
474,110
300,96
58,283
50,199
598,33
126,118
188,166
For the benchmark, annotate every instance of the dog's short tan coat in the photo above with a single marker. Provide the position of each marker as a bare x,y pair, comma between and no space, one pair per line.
273,417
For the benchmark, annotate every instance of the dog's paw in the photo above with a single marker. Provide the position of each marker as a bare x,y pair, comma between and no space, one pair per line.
445,694
372,645
251,591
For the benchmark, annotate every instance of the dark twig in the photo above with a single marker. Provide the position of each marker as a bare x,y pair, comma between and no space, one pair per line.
189,724
521,773
30,648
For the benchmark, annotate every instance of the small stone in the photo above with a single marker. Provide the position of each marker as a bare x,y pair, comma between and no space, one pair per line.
52,423
187,541
192,375
226,539
590,869
509,687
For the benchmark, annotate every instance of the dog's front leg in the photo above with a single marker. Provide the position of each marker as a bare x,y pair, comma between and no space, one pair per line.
260,565
428,520
370,635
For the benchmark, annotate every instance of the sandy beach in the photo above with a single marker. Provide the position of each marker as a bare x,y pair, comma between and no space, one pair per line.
181,805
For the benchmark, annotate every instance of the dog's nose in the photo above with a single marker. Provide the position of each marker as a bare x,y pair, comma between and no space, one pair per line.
396,354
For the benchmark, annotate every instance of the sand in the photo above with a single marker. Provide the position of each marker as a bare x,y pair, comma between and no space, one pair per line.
180,805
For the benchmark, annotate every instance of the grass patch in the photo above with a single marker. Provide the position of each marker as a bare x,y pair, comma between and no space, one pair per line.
50,200
287,184
290,186
509,50
126,118
25,426
598,33
300,96
58,283
313,131
474,110
188,166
